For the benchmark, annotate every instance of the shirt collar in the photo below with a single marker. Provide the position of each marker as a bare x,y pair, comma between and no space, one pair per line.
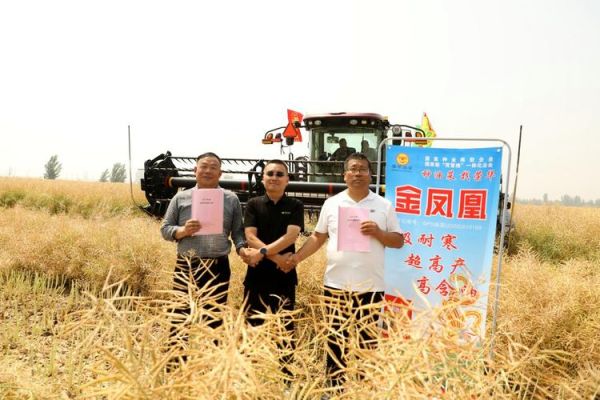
196,187
369,197
266,199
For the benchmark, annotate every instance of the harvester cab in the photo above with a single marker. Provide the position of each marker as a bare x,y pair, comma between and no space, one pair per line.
332,137
313,176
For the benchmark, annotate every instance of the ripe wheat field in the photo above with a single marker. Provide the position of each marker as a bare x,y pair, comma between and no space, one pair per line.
85,283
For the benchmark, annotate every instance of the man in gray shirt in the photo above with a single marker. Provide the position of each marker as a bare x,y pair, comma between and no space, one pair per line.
203,259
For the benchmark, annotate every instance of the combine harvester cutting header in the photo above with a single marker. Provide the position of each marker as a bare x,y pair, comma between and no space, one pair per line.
313,178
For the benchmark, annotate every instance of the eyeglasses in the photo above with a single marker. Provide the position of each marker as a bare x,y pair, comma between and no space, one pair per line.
358,170
278,174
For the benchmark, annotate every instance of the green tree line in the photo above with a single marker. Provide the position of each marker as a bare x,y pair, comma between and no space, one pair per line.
118,173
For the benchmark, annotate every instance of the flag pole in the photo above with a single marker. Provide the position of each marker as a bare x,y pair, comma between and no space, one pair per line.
130,178
514,194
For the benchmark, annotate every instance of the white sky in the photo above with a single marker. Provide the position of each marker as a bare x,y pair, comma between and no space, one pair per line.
192,76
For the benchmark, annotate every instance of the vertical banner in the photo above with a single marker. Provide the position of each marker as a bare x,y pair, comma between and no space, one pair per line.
446,201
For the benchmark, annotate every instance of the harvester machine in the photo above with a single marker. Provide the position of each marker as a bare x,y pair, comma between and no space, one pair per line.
313,177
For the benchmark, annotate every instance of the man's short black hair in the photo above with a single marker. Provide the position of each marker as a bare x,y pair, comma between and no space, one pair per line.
279,162
208,154
360,157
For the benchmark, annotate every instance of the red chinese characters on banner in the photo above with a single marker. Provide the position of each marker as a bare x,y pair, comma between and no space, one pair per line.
468,290
446,202
413,261
465,175
435,264
423,286
458,263
426,240
472,204
408,199
444,288
439,202
448,242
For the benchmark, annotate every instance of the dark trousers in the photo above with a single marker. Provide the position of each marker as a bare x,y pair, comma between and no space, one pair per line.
211,277
340,307
260,300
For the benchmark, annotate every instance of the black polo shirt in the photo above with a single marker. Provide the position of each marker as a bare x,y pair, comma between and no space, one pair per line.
271,221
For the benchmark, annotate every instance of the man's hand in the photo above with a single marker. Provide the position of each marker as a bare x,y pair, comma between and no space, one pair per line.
369,228
388,239
244,255
280,260
286,262
191,226
293,260
252,257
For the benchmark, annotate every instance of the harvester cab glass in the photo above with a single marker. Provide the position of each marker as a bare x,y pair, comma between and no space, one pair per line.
335,136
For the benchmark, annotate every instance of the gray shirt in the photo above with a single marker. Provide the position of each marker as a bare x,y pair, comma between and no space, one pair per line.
204,246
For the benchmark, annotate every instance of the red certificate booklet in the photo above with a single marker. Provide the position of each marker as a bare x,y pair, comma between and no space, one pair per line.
349,236
207,207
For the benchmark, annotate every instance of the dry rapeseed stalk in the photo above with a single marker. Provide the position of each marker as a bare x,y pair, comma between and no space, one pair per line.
547,343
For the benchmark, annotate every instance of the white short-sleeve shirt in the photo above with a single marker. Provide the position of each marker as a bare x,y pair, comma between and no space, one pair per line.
353,270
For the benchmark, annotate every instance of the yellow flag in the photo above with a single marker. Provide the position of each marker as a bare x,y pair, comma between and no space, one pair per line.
428,129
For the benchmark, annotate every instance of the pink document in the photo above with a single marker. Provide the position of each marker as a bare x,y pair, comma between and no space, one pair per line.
207,207
349,236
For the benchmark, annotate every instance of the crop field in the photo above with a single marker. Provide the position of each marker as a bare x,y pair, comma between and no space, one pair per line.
85,294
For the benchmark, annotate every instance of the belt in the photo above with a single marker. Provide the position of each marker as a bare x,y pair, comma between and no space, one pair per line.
204,259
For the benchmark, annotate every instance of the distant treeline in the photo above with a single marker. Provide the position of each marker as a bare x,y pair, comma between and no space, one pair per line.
565,200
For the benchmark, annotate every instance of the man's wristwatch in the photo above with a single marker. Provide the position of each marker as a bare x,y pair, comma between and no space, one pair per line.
263,251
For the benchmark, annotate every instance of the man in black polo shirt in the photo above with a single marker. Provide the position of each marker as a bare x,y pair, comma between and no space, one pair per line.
272,224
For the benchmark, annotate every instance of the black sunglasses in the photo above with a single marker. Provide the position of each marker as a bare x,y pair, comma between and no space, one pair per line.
278,174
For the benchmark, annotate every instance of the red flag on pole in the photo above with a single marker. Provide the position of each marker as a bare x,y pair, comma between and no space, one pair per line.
291,131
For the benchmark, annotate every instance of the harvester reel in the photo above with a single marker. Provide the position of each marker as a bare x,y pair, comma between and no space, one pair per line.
255,186
155,184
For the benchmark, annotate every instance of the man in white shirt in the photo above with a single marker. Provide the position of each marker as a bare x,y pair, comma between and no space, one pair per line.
353,279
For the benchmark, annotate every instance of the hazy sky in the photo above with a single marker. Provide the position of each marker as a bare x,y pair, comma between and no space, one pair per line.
192,76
